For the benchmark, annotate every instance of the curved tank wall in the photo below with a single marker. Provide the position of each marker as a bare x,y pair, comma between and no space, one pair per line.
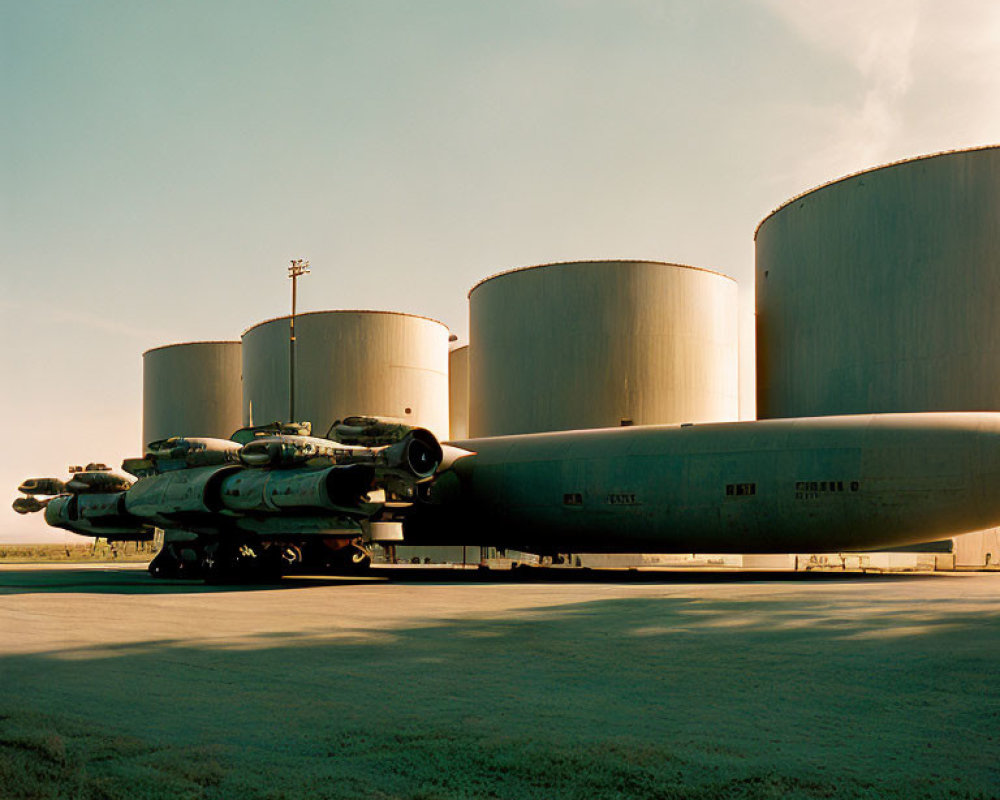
601,343
191,389
375,363
879,292
458,392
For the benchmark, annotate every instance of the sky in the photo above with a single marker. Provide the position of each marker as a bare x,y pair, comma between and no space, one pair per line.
163,162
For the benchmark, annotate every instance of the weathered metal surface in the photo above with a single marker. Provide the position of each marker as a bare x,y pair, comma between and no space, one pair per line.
879,292
378,364
191,390
601,343
776,486
458,392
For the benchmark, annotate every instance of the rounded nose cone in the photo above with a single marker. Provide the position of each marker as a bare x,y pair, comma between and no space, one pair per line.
42,486
27,505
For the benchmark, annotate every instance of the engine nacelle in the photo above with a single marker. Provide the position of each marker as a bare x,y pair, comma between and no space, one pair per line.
419,454
368,431
178,452
178,492
95,514
192,452
192,493
81,481
275,490
287,451
29,504
42,486
87,481
246,435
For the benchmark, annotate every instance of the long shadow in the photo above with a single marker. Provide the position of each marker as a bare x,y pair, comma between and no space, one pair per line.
641,698
135,582
139,582
615,576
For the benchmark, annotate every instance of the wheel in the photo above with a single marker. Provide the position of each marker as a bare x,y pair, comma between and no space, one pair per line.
351,558
361,558
239,561
165,564
289,555
218,564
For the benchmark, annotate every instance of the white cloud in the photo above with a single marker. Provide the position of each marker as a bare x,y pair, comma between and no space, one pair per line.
928,75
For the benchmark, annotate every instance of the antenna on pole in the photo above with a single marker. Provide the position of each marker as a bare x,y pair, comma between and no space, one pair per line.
298,267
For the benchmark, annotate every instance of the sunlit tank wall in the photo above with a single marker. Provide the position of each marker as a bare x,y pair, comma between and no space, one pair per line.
191,389
375,363
879,292
458,392
592,344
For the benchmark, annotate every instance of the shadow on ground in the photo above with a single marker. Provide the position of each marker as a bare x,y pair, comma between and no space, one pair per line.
138,581
827,697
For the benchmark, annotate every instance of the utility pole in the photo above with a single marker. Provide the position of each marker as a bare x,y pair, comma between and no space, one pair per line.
299,266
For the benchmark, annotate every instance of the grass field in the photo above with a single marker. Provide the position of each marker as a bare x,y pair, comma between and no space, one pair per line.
715,687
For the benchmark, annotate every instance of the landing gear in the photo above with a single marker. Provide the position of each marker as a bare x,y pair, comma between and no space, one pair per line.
165,564
243,558
241,561
361,558
352,558
337,556
289,555
176,562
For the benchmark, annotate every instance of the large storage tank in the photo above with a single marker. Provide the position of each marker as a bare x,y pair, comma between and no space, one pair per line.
879,292
191,389
376,363
458,392
601,343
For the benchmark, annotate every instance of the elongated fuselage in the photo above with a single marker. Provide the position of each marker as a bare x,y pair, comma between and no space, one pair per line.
802,485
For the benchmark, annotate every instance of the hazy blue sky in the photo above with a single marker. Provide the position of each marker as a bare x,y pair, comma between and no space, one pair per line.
162,162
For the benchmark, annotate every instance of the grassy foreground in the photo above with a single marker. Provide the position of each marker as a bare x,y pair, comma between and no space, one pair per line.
118,686
42,757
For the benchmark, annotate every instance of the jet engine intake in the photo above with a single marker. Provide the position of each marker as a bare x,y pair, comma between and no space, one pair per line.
418,454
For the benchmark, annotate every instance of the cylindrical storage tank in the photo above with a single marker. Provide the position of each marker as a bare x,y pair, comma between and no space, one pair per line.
373,363
458,392
191,389
601,343
879,292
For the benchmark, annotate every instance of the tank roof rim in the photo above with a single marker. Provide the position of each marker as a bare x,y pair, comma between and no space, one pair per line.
344,311
876,168
188,344
598,261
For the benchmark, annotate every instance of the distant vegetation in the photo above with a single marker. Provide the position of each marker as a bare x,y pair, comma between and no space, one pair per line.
99,551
